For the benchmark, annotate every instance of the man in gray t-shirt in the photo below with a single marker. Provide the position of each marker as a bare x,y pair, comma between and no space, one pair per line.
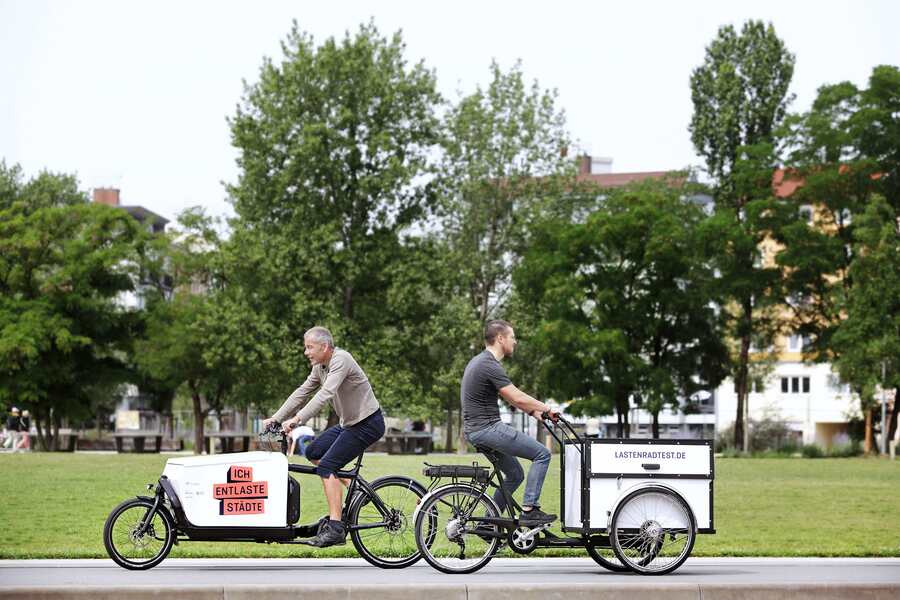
483,382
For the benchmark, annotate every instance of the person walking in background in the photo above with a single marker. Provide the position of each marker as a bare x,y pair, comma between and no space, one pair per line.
13,427
300,438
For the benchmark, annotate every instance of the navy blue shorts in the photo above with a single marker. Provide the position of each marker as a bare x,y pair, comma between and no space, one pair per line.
337,446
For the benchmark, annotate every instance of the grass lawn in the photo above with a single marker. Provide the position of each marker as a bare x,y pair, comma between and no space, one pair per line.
54,505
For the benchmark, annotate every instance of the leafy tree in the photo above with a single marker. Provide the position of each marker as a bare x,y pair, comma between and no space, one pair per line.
625,299
64,262
869,336
334,146
183,345
740,98
842,159
503,157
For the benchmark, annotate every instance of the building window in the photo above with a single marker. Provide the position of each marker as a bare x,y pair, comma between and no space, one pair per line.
806,213
797,342
794,385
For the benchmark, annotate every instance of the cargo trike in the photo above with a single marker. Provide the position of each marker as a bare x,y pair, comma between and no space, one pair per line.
633,504
251,497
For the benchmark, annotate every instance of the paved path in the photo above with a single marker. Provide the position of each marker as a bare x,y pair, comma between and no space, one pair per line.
510,571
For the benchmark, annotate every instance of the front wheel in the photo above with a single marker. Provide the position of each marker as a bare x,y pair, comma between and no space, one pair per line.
652,531
603,555
452,531
134,538
387,539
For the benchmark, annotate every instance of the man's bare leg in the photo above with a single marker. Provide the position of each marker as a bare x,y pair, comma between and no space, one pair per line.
346,482
334,493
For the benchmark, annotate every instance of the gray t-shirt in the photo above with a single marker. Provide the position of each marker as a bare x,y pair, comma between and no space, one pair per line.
481,383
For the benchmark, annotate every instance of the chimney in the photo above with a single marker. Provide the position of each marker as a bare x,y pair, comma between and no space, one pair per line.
584,165
108,196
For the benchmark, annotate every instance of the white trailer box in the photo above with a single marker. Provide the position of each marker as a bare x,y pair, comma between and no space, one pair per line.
599,473
245,489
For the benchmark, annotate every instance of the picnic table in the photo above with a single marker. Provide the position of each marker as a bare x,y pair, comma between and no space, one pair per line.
226,441
408,442
138,440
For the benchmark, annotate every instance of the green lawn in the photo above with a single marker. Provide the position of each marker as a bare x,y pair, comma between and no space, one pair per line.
54,505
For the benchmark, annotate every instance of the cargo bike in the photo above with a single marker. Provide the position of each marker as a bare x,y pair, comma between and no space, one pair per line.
251,497
634,505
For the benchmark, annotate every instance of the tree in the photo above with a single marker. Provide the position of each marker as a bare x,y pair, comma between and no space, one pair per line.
740,98
334,147
186,341
842,159
625,298
870,334
64,262
503,156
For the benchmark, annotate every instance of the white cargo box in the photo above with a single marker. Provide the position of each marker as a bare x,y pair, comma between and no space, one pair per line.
244,489
598,473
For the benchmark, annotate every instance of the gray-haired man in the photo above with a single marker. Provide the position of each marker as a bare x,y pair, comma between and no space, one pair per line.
335,377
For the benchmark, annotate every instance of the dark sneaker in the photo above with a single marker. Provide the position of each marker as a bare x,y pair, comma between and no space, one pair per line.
535,517
331,533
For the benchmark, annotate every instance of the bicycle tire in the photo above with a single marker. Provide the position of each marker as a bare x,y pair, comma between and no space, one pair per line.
443,534
122,543
393,546
641,524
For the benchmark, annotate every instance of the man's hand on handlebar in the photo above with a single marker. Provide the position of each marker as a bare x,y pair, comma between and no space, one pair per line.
547,414
270,426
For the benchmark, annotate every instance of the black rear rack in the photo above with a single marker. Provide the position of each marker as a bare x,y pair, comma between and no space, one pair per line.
474,472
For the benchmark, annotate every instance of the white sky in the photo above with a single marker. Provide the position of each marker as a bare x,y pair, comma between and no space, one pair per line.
134,94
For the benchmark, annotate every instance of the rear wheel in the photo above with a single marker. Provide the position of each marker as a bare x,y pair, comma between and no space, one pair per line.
450,531
389,540
135,540
652,531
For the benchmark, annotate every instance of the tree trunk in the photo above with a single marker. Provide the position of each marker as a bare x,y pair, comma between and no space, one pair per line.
348,302
448,437
867,447
41,428
198,420
892,420
55,423
463,446
741,439
655,425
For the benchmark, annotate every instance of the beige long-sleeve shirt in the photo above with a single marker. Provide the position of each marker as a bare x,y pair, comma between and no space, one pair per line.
341,382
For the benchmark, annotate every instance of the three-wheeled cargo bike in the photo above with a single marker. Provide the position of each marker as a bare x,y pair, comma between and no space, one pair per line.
633,504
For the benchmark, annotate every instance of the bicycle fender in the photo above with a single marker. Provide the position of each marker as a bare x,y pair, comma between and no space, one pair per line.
646,486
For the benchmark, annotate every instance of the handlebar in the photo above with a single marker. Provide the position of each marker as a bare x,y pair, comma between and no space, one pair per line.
564,427
274,429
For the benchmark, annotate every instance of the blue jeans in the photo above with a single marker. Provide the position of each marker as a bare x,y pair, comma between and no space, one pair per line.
337,446
510,444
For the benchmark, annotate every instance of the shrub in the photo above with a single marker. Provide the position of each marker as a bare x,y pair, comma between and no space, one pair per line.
770,435
813,451
851,448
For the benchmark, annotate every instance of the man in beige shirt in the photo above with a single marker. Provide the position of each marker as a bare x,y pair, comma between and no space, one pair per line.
337,378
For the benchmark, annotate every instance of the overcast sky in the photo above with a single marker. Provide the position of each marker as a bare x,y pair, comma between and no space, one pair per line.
135,95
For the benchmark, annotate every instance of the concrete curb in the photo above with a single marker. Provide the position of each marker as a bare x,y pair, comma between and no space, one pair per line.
462,591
